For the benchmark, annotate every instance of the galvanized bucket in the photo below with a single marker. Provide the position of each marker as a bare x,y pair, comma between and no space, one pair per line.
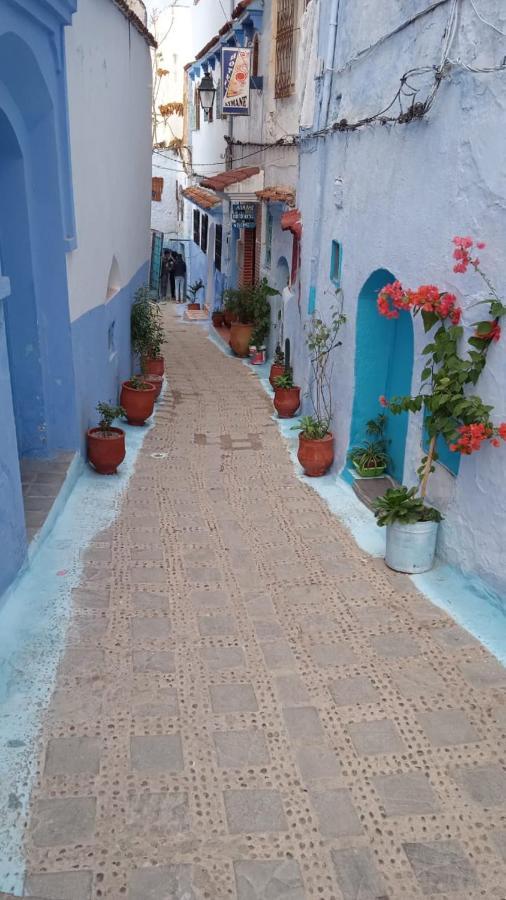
411,548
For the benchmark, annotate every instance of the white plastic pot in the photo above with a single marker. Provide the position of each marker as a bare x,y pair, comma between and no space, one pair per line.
411,548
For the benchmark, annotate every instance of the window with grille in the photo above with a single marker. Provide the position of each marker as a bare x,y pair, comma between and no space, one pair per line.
285,48
335,263
156,189
196,110
203,232
254,56
196,226
218,243
268,239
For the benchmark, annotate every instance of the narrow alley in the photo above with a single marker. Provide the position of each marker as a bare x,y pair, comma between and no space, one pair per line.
249,706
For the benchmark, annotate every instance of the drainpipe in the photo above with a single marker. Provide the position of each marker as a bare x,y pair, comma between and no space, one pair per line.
329,63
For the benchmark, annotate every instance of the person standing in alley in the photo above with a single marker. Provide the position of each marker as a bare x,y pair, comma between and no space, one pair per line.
180,272
172,276
164,275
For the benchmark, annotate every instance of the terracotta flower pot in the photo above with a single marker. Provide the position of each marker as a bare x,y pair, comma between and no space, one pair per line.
217,318
276,371
194,306
153,365
138,405
286,401
156,381
106,450
240,337
228,318
316,455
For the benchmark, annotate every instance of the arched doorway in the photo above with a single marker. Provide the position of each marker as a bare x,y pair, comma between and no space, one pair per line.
383,365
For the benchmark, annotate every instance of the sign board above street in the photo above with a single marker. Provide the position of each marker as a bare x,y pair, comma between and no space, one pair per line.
244,215
235,68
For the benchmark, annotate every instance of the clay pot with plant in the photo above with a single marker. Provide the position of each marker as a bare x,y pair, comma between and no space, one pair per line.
137,399
146,331
106,445
192,295
452,412
251,308
286,395
371,458
316,441
217,318
278,366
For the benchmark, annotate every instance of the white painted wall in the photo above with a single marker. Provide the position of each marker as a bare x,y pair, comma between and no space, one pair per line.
109,87
164,213
395,196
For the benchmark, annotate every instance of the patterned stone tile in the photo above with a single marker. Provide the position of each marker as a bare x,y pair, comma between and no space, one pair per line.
354,690
406,795
440,867
265,879
336,814
57,823
303,724
233,698
357,875
238,749
172,882
73,756
485,785
380,736
332,655
156,753
59,885
217,658
250,811
152,661
447,726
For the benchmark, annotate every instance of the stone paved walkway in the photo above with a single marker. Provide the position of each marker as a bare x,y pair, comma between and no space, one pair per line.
248,707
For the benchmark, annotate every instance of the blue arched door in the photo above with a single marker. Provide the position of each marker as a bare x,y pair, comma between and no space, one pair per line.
383,365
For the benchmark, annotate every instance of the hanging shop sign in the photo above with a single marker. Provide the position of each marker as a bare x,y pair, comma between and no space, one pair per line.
235,67
244,215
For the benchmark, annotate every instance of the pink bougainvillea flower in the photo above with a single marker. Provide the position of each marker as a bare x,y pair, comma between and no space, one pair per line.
502,430
471,438
480,245
384,402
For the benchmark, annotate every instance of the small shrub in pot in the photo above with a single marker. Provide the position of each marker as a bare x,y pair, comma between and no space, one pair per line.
105,444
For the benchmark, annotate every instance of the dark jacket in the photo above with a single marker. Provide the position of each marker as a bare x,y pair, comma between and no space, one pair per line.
180,267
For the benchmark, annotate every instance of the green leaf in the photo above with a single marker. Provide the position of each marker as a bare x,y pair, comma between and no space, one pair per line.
426,373
429,320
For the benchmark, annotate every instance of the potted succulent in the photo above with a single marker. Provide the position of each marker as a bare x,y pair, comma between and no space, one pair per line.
286,395
450,412
191,296
371,458
146,330
411,529
106,445
251,308
137,399
316,441
278,366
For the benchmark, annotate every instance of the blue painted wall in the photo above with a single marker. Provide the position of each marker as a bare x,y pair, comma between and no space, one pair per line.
102,355
383,365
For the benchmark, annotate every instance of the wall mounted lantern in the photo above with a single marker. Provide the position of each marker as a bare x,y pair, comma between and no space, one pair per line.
207,91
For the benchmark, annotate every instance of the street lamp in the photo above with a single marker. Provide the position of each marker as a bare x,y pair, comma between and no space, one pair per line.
207,91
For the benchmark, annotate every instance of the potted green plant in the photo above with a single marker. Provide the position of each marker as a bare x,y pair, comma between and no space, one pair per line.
250,307
278,365
371,458
105,444
286,395
217,318
411,529
137,399
146,331
192,294
450,412
316,441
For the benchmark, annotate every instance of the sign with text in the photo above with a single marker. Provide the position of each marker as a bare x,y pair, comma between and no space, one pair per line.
244,215
235,69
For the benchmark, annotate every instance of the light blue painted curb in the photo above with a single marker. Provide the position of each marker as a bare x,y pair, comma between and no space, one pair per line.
33,624
466,598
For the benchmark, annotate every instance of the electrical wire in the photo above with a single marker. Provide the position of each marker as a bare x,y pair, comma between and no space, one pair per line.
485,21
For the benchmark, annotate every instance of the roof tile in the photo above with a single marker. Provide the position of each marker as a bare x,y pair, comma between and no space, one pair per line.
201,197
231,176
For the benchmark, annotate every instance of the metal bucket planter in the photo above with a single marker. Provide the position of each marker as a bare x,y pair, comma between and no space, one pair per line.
411,548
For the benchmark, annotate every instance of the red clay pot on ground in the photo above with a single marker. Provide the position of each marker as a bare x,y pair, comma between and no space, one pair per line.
105,450
276,371
240,337
316,456
194,306
153,365
217,318
156,381
286,401
138,405
228,318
